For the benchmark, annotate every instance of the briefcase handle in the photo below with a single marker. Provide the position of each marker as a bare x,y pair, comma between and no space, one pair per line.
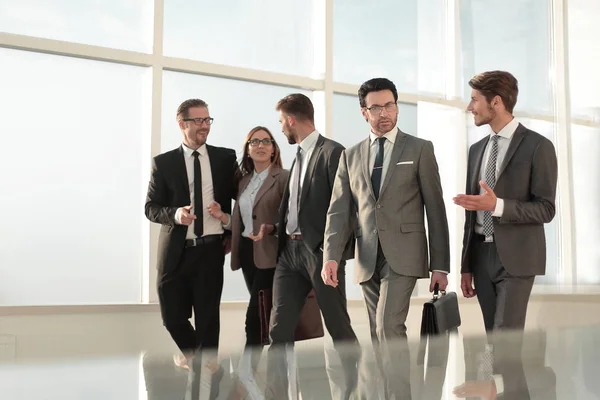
436,291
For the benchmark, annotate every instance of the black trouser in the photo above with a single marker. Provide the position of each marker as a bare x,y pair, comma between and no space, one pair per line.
196,285
257,279
298,271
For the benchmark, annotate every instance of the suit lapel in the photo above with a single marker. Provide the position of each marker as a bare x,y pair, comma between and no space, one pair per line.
182,173
214,170
512,148
364,162
267,184
394,158
478,151
310,169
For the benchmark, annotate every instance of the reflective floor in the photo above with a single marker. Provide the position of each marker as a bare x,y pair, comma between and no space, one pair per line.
51,359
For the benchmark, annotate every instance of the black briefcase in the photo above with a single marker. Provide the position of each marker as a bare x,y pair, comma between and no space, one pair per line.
440,314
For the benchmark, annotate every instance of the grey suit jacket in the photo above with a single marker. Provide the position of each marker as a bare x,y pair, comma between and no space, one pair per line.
397,219
527,183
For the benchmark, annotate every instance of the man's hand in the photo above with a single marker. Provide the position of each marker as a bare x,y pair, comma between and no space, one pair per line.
265,229
482,389
186,218
466,284
227,244
480,202
329,273
440,278
214,209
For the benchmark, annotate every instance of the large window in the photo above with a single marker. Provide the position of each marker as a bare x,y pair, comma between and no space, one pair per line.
90,89
72,138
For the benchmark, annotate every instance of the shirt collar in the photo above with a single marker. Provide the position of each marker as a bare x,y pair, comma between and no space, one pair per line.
187,152
391,136
309,141
508,130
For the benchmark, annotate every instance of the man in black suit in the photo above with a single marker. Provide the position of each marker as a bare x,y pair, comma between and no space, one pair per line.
300,255
191,245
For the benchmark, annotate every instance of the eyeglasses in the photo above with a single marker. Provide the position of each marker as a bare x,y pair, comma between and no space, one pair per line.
200,121
389,108
256,142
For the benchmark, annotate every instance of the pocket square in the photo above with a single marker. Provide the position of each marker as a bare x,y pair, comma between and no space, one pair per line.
405,162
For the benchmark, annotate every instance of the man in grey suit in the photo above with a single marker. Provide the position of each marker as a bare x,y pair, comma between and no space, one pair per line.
300,234
385,184
511,188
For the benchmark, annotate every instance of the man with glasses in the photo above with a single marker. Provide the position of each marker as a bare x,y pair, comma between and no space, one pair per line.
385,184
191,247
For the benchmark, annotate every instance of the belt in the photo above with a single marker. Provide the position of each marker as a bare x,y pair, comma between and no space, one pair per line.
203,240
481,238
295,237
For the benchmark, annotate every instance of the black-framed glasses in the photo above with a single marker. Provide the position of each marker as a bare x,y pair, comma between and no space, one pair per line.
389,108
256,142
200,121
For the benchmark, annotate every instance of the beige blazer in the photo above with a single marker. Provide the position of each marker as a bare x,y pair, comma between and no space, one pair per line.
265,211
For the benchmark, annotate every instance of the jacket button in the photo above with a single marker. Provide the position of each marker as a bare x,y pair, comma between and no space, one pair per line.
254,217
378,205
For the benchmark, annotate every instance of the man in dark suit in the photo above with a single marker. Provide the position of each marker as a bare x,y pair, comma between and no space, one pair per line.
511,189
300,239
191,245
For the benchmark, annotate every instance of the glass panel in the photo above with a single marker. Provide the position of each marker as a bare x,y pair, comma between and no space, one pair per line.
72,158
271,35
376,39
126,25
522,46
584,62
585,161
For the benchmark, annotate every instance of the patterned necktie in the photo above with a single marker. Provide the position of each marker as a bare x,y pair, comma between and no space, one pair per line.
198,223
292,223
490,180
378,167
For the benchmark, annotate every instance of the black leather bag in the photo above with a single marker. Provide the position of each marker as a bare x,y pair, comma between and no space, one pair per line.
440,314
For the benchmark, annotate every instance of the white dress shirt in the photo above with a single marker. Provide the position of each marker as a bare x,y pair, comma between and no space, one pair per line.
388,147
504,137
307,146
212,226
247,198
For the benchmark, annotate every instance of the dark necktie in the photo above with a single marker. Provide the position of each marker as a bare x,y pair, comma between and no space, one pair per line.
198,211
378,167
490,180
292,223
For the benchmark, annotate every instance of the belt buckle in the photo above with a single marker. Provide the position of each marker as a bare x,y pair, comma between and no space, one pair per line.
489,239
194,242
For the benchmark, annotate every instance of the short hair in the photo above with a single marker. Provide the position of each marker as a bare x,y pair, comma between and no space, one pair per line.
184,108
375,85
497,83
247,164
298,106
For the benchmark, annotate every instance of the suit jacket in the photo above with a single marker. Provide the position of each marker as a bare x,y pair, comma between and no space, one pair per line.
265,211
397,220
526,182
314,198
169,189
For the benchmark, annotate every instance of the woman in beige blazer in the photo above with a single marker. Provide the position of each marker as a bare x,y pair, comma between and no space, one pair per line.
260,192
